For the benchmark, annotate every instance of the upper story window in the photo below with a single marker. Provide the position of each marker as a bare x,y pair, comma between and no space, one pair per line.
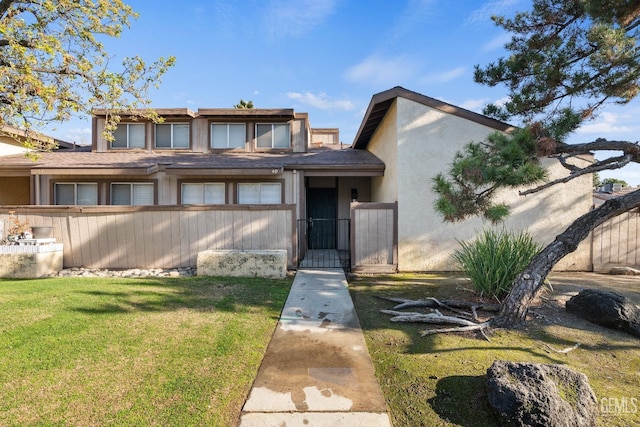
132,193
228,135
129,135
71,193
203,193
273,135
172,135
259,193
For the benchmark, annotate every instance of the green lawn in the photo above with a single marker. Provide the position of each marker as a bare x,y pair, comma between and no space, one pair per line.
184,351
439,380
163,352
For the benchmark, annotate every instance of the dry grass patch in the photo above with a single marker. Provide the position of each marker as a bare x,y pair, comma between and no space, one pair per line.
439,380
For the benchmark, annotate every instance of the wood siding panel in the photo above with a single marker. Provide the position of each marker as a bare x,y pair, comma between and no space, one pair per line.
161,238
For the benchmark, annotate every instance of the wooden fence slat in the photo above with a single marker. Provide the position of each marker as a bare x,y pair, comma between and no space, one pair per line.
374,236
147,238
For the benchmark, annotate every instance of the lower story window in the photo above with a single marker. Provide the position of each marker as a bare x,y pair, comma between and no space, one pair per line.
132,193
203,193
260,193
71,193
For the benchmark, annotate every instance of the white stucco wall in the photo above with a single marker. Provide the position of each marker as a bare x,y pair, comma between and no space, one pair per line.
427,140
385,188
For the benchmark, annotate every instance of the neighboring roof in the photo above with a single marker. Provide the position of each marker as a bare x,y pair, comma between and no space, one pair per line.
381,102
599,197
21,134
230,163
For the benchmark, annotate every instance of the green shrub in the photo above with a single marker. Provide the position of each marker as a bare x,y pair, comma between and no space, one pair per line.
494,259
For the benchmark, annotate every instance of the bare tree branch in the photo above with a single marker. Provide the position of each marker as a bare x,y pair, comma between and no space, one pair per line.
4,6
609,164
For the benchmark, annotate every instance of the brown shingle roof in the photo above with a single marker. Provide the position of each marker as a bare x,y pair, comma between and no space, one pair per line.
53,162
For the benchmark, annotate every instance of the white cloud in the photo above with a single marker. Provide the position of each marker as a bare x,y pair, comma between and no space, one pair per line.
496,7
81,136
285,18
496,43
475,105
415,14
321,101
607,123
378,71
445,76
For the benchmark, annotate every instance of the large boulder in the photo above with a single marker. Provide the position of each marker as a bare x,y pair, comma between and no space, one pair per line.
607,309
530,394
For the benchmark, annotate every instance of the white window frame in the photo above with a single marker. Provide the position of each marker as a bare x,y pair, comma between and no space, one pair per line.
228,128
132,186
204,185
75,192
172,143
128,132
273,142
260,200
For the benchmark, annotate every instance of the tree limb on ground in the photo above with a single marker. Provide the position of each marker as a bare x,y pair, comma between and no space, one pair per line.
430,302
438,318
565,350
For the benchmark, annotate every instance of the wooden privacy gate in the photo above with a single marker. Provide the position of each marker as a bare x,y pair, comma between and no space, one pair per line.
374,237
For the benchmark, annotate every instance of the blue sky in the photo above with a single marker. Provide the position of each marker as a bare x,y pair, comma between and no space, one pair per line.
327,58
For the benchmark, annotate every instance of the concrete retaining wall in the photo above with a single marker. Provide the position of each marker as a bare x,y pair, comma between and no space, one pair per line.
30,265
270,264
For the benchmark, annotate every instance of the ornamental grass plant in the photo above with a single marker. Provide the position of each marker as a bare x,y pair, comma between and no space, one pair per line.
493,260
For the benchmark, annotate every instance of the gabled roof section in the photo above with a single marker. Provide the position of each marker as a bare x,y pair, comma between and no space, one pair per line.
381,102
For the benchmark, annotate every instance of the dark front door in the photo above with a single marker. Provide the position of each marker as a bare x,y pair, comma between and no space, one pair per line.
321,217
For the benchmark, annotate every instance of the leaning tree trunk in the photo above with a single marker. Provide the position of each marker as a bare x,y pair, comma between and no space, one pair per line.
527,284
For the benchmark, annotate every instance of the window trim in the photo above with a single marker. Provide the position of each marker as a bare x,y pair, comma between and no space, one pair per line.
153,182
237,191
128,143
75,192
244,144
273,124
172,146
224,183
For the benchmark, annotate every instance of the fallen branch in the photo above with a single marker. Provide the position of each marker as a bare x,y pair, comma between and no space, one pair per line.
430,302
438,318
475,327
565,350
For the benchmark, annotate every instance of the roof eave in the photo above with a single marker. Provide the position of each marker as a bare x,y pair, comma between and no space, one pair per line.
381,102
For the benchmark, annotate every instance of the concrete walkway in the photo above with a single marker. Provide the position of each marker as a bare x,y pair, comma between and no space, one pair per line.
317,370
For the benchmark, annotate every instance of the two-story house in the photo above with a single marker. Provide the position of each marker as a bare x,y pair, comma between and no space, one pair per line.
250,159
157,194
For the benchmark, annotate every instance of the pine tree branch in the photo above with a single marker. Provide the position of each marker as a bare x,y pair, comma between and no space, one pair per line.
609,164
